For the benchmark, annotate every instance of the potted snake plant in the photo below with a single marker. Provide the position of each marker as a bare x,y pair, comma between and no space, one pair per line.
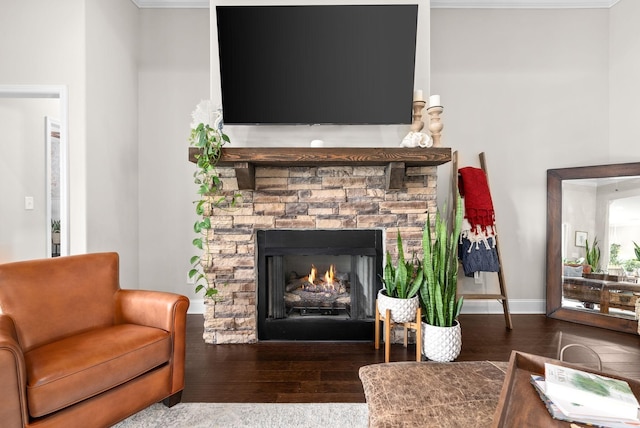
593,255
401,285
441,334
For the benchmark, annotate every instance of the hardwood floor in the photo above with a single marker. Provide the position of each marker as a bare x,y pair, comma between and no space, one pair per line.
328,371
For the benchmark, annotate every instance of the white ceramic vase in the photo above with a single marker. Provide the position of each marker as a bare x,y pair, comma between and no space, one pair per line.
402,310
442,344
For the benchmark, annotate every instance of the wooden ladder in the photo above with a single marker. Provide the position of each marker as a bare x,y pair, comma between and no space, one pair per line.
502,297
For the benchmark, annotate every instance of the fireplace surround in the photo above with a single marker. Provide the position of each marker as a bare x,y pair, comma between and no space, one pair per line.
340,190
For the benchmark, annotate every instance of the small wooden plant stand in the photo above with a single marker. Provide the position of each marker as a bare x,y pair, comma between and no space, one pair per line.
389,324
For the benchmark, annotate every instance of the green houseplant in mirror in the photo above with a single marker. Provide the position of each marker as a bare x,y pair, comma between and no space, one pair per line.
442,337
593,254
401,285
207,136
631,266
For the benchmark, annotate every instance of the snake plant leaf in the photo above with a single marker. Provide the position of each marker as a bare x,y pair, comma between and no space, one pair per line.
438,292
415,284
389,275
404,279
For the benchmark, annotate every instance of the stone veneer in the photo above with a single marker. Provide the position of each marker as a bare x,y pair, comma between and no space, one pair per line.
332,197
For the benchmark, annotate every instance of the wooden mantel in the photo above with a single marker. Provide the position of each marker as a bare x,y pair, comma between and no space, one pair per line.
245,159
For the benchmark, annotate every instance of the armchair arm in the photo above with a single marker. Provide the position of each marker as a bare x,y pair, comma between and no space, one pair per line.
151,308
167,311
13,406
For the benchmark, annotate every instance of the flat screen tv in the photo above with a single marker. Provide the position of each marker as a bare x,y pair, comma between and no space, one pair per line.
317,64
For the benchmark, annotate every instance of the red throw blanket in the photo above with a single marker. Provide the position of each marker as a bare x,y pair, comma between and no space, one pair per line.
478,205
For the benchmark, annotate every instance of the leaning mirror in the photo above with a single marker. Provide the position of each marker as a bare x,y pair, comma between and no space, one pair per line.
593,233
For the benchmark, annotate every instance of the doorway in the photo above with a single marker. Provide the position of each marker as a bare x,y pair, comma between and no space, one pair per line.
32,114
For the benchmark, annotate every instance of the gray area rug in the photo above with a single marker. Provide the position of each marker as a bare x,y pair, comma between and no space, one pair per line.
258,415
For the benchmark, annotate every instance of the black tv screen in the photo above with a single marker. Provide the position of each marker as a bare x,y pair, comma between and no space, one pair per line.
334,64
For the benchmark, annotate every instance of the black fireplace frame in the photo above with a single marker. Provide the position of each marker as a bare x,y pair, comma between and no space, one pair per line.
276,242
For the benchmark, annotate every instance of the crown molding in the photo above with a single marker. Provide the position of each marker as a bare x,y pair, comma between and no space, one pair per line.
522,4
171,4
438,4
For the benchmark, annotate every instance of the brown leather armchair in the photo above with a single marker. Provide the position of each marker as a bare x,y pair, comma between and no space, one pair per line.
78,351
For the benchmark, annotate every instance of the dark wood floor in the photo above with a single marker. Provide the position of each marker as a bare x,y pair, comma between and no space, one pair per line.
328,372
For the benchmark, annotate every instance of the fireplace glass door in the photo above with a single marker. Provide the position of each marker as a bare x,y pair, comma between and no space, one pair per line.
318,284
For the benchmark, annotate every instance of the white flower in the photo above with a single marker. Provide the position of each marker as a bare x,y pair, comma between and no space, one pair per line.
208,113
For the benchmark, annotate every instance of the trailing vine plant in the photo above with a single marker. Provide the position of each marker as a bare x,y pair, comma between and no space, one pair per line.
207,136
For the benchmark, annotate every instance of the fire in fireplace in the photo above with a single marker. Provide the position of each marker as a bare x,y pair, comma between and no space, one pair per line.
318,284
326,294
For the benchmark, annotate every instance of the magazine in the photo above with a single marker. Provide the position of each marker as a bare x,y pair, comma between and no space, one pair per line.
589,394
555,412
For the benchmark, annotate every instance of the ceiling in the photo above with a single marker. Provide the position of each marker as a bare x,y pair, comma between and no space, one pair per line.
469,4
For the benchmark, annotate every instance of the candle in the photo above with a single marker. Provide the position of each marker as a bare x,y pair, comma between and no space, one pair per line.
417,95
434,100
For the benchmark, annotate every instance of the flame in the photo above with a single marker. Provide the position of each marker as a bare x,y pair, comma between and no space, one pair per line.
329,275
326,284
312,274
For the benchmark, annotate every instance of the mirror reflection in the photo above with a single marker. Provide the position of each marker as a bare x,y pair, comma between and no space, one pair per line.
600,232
593,233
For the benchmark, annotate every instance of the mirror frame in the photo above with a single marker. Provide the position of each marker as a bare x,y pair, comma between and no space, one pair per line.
554,242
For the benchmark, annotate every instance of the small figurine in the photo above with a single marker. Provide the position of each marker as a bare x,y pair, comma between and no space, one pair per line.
417,139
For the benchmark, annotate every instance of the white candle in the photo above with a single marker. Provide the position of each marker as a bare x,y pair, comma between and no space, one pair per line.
417,95
434,100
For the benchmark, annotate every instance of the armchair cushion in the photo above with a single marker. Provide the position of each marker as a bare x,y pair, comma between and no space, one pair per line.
70,370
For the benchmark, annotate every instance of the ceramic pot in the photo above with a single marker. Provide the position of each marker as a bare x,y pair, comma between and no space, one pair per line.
402,310
442,344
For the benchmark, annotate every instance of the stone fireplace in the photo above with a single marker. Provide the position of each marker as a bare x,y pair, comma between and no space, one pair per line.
392,192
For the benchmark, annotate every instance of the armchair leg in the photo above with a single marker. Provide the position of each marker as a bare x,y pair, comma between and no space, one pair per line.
172,400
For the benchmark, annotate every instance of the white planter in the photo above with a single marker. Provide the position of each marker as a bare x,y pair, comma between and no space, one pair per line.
442,344
402,310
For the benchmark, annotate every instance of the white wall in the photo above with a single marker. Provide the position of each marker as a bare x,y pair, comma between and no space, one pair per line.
173,79
46,46
530,89
579,213
90,46
112,36
23,233
624,83
518,85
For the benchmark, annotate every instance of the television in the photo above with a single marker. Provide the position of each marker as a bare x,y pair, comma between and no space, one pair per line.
317,64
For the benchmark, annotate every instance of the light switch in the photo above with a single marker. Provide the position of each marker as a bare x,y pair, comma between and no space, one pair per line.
28,202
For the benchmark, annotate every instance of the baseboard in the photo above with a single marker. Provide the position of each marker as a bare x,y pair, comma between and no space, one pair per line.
516,306
196,306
